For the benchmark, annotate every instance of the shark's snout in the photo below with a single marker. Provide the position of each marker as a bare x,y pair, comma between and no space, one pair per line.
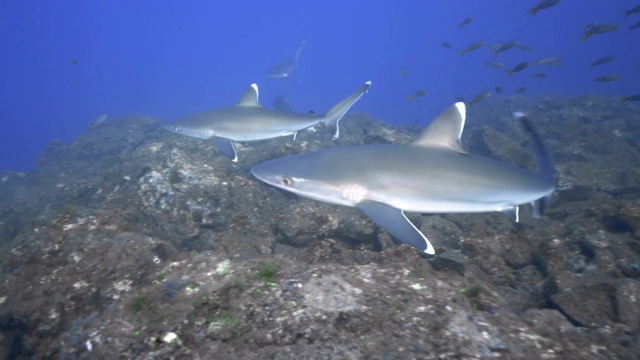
265,173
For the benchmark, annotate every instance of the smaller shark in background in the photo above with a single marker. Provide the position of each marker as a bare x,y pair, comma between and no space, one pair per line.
249,121
284,69
434,174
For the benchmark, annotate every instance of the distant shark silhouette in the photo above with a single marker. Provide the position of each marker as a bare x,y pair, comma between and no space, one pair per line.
280,103
284,69
434,174
249,121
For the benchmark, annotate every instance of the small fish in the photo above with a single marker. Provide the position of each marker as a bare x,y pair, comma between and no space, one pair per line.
73,61
466,21
402,72
524,48
504,47
544,4
538,75
520,90
635,10
474,46
518,68
603,60
418,93
498,89
483,95
550,61
446,45
607,78
495,64
631,98
634,26
599,29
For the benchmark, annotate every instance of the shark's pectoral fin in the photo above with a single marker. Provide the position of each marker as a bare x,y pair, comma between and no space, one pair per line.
295,133
396,223
226,147
512,212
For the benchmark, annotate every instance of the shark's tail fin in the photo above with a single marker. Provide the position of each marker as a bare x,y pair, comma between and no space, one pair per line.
298,52
333,116
545,160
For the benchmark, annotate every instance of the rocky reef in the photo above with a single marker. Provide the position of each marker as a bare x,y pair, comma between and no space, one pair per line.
132,242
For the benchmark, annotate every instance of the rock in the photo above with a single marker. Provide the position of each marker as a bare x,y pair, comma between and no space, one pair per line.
129,234
450,260
628,302
587,305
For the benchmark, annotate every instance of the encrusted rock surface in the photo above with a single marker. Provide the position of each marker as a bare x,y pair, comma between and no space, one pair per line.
132,242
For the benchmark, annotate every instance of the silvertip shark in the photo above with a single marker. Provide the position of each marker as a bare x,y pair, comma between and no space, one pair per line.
285,68
433,174
250,121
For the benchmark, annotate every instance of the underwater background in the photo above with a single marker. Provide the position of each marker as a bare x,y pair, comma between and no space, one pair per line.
120,239
64,64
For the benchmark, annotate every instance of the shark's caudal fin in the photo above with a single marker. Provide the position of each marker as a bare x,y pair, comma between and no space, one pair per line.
333,116
298,52
545,160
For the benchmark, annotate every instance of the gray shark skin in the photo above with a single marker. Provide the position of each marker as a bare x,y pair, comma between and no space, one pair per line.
249,121
285,68
434,174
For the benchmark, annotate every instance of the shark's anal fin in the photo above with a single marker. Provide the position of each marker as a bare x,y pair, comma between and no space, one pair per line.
226,147
396,223
512,213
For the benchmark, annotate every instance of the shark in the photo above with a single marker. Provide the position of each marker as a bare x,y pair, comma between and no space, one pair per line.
247,120
284,69
433,174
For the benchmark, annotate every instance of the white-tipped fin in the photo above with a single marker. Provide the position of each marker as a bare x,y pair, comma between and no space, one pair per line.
333,116
250,97
513,213
396,223
445,130
226,147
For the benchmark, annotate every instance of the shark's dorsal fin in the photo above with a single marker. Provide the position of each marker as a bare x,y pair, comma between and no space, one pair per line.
250,97
445,130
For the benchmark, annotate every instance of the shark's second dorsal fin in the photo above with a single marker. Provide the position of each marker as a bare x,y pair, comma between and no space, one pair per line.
445,130
250,97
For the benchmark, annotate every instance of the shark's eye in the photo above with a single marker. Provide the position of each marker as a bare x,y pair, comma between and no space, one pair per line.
176,128
286,181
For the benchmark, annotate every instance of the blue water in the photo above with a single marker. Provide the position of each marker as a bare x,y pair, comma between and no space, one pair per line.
64,63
